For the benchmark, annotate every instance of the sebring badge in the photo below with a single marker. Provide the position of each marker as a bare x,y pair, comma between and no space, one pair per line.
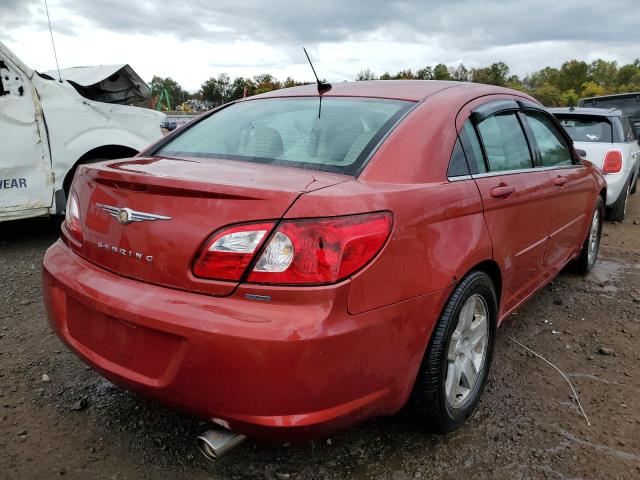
125,215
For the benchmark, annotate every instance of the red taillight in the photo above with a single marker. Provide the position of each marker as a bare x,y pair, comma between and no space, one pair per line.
227,254
72,217
317,251
612,162
309,251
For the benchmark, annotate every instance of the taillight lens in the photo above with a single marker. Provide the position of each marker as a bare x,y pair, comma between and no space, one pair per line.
227,254
317,251
309,251
612,162
72,217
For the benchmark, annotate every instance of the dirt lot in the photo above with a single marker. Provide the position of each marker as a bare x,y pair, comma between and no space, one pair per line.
59,418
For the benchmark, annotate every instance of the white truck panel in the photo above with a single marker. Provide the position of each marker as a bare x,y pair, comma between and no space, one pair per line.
46,126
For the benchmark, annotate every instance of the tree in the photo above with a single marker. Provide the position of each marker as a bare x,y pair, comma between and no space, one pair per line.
460,73
365,74
571,76
629,74
176,94
549,95
425,73
592,89
441,72
569,98
404,75
603,73
495,74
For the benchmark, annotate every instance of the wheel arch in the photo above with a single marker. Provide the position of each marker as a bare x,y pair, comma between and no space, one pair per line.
492,269
106,152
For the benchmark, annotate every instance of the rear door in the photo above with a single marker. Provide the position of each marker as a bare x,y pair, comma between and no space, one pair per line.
570,181
26,182
515,197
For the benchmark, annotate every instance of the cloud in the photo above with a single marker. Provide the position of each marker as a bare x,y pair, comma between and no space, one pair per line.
195,39
459,23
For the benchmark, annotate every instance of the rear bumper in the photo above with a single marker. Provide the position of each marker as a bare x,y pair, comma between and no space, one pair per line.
294,367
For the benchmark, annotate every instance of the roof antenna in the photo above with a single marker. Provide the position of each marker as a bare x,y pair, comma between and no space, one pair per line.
322,86
46,7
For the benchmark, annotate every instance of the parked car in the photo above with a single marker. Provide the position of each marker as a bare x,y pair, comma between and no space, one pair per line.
606,139
47,129
295,263
627,103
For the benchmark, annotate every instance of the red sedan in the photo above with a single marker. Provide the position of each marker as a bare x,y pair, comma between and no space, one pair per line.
296,262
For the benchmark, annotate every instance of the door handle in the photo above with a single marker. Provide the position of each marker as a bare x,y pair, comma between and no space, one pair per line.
502,191
560,181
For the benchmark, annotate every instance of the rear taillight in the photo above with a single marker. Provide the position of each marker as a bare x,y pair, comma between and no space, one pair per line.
227,254
612,162
72,217
309,251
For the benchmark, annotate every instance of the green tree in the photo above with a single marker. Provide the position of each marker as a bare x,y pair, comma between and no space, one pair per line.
425,73
549,95
495,74
592,89
571,76
603,73
569,98
441,72
460,73
176,94
629,74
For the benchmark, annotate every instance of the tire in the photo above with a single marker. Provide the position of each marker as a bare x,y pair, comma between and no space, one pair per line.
66,185
634,188
589,254
438,408
617,211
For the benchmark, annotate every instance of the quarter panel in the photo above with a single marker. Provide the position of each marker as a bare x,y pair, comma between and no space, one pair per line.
438,234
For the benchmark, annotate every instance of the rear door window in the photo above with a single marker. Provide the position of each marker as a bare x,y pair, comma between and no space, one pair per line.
505,143
332,134
587,128
554,151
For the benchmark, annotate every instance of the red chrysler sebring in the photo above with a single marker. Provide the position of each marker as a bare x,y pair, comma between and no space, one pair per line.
298,262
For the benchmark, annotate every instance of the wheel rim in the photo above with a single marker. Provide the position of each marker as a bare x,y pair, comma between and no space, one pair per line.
467,351
593,237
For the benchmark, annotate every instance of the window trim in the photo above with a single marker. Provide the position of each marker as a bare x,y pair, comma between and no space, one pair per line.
503,111
559,129
519,107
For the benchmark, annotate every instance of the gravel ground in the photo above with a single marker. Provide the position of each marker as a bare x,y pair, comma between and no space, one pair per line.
60,418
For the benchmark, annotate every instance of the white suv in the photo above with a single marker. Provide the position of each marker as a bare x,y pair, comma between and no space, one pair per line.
607,139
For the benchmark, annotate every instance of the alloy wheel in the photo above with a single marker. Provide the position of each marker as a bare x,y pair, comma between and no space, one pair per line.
467,351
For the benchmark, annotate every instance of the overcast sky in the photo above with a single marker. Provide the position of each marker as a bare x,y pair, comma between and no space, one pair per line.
192,40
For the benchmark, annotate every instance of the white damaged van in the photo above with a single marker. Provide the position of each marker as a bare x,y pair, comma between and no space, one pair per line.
48,128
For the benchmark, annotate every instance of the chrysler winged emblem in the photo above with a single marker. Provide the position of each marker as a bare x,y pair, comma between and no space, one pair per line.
125,215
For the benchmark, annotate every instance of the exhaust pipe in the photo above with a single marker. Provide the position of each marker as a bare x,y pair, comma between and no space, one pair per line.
215,444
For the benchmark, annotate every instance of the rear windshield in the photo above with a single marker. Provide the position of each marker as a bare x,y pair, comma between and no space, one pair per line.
336,135
586,128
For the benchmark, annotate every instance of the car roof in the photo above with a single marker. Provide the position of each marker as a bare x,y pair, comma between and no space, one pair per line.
603,112
412,90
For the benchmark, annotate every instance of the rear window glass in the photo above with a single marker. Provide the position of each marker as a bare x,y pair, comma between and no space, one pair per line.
336,135
583,128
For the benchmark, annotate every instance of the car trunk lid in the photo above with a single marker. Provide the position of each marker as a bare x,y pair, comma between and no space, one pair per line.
173,206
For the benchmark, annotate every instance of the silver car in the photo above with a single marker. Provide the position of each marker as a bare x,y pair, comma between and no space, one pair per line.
607,139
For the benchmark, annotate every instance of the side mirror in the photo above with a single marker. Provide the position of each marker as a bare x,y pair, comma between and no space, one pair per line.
581,152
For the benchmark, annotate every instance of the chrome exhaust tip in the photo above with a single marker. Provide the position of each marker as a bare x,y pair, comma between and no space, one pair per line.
215,444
